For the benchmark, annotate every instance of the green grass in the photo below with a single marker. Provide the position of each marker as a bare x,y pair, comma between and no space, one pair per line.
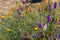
20,25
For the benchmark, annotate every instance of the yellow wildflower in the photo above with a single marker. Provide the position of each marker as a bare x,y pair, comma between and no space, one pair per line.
9,13
2,17
47,3
57,20
41,6
22,14
58,10
34,9
17,5
36,28
6,17
28,9
35,6
33,17
8,30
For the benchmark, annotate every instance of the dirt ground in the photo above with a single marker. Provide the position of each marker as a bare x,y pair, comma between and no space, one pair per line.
7,5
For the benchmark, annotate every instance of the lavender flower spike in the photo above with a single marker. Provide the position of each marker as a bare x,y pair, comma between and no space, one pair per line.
55,4
48,18
18,10
39,25
23,2
59,36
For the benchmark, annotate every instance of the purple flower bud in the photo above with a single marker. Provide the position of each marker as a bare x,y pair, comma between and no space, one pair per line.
48,18
55,4
18,10
23,2
39,25
58,36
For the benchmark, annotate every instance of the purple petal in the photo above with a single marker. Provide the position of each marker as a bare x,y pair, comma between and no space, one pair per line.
58,36
39,25
55,5
48,18
23,2
18,10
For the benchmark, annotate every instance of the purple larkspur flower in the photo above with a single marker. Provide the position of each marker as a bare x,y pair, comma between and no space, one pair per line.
23,2
58,36
55,4
39,25
18,10
48,18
